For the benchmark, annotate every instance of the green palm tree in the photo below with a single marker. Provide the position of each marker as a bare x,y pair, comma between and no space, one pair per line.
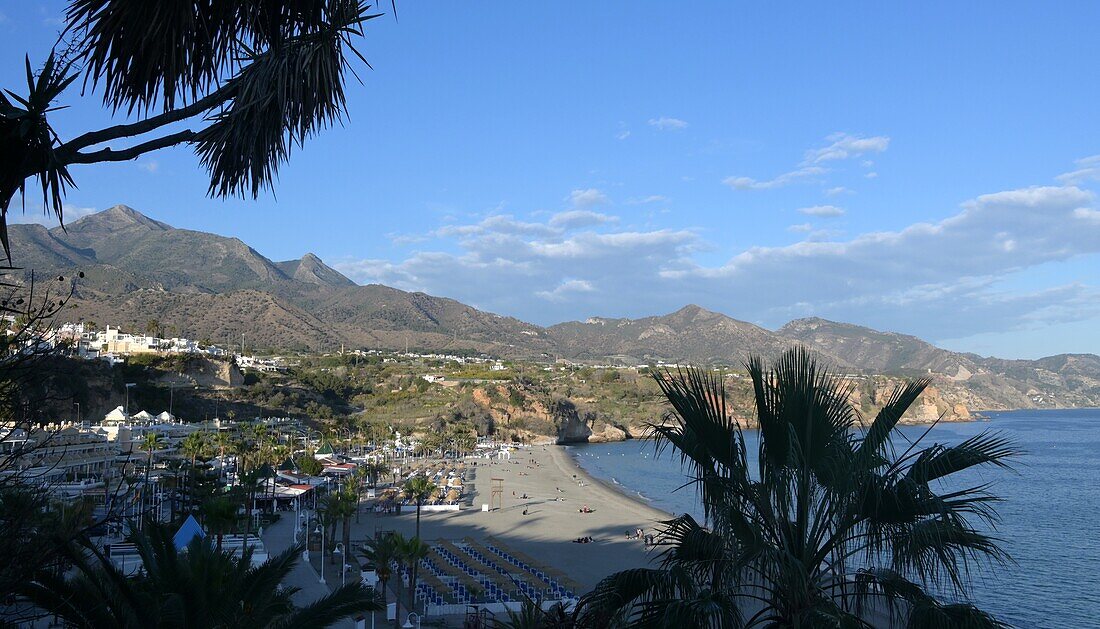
150,443
419,489
531,615
833,526
200,586
338,507
219,515
410,550
193,446
382,552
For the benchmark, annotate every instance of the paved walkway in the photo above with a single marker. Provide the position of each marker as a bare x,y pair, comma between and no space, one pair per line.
280,536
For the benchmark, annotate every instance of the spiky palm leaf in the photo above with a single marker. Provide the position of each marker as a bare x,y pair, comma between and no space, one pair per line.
197,587
259,77
832,527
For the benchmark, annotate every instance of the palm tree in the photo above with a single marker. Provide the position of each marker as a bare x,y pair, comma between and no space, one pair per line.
531,615
419,489
219,516
382,552
832,527
193,445
223,441
198,587
151,442
249,482
410,551
338,507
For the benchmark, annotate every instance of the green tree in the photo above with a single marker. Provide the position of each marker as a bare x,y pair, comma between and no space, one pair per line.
201,587
338,507
410,550
194,445
309,465
150,443
833,524
382,552
419,489
241,82
219,515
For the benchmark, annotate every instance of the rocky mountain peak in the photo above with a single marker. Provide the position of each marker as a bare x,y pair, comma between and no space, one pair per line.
312,270
114,219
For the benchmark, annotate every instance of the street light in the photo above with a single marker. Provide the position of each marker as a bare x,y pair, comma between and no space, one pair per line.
321,529
343,564
129,385
171,397
409,621
298,515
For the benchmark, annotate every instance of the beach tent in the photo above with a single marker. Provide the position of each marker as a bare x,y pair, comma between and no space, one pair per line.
116,416
288,465
166,418
143,416
188,531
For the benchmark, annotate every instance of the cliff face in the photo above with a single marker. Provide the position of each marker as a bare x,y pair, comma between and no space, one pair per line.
625,412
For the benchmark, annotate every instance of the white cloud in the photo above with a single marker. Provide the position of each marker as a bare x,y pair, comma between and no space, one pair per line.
622,135
795,176
822,211
1087,214
942,279
150,166
1088,169
573,219
665,123
871,175
844,146
653,198
35,215
566,289
838,190
496,224
587,198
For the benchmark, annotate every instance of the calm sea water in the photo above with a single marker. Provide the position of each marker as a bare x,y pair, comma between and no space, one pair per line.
1050,522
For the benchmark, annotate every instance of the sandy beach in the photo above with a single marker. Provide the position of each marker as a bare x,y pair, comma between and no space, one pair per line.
556,488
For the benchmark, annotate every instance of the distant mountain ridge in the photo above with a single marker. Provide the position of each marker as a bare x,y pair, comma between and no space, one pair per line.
214,287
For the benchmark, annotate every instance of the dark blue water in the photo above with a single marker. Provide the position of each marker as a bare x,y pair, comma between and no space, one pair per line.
1050,523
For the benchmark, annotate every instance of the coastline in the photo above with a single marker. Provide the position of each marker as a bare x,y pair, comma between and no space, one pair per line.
563,455
539,513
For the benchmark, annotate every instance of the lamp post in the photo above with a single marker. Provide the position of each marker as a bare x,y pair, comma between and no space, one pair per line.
409,621
339,550
297,520
126,409
321,529
171,398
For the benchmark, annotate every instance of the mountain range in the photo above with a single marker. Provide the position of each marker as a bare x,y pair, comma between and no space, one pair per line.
212,287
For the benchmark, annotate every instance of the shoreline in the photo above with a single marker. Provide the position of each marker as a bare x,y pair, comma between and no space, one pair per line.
562,452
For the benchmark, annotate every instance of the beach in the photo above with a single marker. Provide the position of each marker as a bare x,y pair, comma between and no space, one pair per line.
556,489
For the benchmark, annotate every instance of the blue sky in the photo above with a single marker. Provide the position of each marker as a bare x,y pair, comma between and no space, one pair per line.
924,169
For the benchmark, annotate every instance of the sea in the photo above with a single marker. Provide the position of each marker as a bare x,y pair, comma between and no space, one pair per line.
1050,516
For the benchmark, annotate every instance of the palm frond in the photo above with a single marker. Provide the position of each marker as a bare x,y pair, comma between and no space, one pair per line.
878,435
345,601
983,449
